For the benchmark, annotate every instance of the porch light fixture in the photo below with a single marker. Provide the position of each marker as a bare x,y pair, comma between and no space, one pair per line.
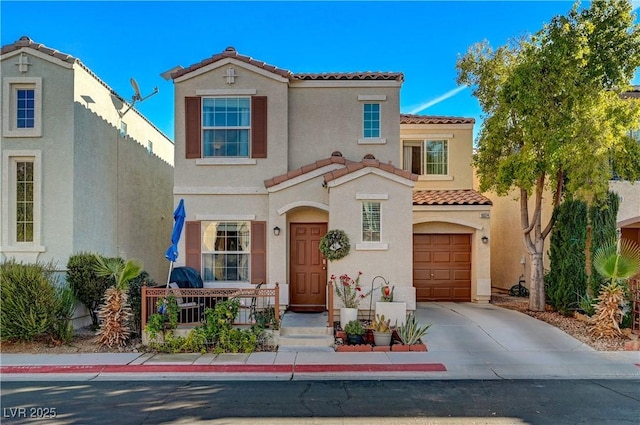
484,239
276,231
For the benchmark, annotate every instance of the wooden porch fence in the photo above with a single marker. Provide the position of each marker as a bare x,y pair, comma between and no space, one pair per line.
634,285
193,302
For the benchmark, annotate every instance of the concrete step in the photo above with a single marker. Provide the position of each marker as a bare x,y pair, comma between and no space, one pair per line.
306,341
306,330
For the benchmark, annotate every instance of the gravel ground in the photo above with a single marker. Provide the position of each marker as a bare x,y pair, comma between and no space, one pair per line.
84,339
576,327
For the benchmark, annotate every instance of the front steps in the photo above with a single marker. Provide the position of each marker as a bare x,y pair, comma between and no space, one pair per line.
305,332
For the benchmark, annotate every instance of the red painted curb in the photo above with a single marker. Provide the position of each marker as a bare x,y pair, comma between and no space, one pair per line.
244,368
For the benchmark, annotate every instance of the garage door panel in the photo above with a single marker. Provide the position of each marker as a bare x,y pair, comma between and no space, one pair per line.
441,257
442,267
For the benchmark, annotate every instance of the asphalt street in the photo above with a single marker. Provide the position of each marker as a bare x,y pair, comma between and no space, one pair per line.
554,402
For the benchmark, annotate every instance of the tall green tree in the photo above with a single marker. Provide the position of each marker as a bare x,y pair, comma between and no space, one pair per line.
553,116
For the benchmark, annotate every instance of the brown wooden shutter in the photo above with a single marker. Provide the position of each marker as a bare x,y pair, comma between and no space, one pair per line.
193,257
193,127
258,251
259,127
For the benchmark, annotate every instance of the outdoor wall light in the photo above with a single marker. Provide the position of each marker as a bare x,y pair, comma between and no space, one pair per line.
484,239
276,231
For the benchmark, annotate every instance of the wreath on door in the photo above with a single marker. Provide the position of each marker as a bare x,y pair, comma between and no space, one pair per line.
335,245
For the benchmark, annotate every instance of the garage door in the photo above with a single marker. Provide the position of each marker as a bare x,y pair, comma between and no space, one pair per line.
442,267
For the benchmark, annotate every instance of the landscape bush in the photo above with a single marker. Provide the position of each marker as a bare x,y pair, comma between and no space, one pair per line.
87,287
32,306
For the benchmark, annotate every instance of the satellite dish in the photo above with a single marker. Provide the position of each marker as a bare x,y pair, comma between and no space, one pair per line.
137,97
136,89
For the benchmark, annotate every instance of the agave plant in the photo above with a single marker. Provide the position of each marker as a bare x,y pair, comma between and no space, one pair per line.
617,261
115,312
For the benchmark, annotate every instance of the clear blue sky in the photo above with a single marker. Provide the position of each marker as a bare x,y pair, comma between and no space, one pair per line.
422,39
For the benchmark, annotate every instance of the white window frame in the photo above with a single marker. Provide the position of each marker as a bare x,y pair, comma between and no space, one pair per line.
9,106
379,119
208,249
239,127
9,199
362,221
422,143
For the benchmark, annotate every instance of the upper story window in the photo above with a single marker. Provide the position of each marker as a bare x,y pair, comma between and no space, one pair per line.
22,107
370,221
25,108
226,125
226,250
426,157
371,120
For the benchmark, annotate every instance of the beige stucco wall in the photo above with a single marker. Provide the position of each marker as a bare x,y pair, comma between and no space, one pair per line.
460,143
212,173
326,116
629,199
466,220
392,257
99,192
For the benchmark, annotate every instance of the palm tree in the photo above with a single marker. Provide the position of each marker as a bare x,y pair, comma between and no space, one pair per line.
617,261
115,312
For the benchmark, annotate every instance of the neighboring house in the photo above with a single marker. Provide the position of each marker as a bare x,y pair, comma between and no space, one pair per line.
268,161
509,257
80,170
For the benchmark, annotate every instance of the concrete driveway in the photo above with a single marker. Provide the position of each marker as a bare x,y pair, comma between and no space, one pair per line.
473,339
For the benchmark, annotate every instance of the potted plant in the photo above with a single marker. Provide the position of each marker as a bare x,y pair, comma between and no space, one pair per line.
411,333
381,330
395,311
350,293
355,332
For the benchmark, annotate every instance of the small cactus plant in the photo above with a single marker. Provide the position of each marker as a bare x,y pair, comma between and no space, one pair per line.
380,324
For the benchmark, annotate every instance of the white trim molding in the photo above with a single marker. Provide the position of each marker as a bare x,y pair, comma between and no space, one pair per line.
372,97
372,141
9,106
226,92
297,204
372,246
225,217
372,196
226,161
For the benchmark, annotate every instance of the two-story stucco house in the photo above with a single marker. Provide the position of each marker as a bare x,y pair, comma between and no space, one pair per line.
267,161
80,170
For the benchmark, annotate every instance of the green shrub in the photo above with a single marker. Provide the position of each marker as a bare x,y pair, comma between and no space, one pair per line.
135,299
30,305
86,285
567,275
603,219
63,326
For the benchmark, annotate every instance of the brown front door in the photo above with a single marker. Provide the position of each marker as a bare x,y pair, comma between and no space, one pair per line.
442,267
307,267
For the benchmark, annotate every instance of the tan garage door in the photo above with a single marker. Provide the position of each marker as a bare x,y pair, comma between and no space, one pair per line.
442,267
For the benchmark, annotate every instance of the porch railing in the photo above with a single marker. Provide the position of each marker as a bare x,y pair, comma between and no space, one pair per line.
193,302
634,285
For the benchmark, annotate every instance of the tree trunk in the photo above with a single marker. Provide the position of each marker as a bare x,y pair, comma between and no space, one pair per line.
537,300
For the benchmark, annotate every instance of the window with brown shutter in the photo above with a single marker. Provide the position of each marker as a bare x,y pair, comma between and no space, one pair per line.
258,251
259,127
193,127
193,245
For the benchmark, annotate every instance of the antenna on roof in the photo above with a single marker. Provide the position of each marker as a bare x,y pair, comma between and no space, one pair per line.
137,97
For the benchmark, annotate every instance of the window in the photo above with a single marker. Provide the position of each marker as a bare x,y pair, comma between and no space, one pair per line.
371,221
430,157
371,120
25,108
150,147
226,123
123,129
22,107
226,251
24,201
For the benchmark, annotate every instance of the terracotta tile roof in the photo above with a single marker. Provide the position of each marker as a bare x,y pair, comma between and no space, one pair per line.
230,52
349,167
25,41
634,93
355,166
432,119
368,75
334,159
449,197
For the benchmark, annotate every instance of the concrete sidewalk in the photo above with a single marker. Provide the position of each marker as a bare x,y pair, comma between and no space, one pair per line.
465,341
